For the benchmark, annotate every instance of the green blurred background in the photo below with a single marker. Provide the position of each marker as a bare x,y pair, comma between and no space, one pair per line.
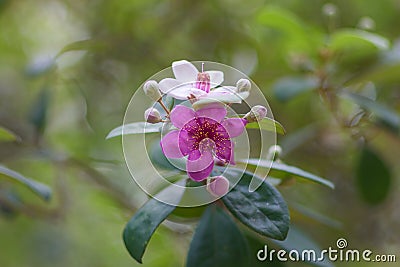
68,69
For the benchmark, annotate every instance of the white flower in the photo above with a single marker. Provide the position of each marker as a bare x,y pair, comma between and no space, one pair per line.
189,83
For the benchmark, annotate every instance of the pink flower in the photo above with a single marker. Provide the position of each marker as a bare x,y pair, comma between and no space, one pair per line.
189,83
202,135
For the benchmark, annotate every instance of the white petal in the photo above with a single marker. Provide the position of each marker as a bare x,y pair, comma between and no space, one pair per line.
225,97
182,93
216,77
184,71
225,89
167,84
228,93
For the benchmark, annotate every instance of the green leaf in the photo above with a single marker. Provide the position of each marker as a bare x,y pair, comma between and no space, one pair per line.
267,124
10,196
81,45
264,210
135,128
142,225
298,36
183,213
281,170
355,39
373,177
381,74
39,109
39,189
356,44
157,157
7,135
217,242
389,117
300,241
281,19
289,87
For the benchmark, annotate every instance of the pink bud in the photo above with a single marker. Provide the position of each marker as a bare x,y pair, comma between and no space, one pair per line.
243,85
257,113
152,115
218,186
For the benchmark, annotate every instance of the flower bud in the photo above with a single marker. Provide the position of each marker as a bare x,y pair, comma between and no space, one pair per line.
274,152
152,90
329,10
366,23
218,186
243,85
257,113
152,115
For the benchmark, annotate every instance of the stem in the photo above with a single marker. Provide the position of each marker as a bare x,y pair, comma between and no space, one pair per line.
163,106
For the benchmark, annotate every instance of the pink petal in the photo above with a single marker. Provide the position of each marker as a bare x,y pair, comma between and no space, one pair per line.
170,145
225,152
167,84
215,111
216,77
234,126
184,71
198,162
180,115
201,175
185,142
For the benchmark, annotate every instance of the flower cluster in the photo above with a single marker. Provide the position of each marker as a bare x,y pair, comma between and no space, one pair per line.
203,134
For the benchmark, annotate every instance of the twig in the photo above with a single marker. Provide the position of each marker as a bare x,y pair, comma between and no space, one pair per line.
163,106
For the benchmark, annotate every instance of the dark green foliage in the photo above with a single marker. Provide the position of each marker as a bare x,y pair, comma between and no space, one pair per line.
264,210
217,242
373,177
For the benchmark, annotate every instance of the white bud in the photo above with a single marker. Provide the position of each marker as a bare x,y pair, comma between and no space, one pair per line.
329,9
152,90
218,186
243,85
274,152
257,113
152,115
366,23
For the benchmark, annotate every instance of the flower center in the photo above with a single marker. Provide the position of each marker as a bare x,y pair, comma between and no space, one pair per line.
203,82
207,144
206,134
